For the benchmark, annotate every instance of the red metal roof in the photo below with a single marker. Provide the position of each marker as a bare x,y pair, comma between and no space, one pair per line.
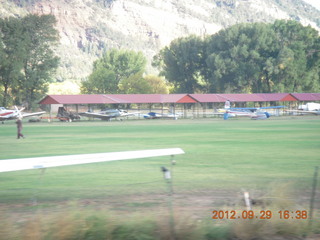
208,98
134,98
77,99
276,97
307,96
117,99
151,98
242,97
177,98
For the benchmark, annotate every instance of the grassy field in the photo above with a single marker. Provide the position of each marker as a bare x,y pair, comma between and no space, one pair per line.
274,160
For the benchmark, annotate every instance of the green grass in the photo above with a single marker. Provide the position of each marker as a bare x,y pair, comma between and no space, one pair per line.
220,154
271,159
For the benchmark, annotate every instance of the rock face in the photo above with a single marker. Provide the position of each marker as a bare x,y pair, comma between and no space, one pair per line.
90,27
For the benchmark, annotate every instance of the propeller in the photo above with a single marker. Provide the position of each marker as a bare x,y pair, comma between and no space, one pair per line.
19,111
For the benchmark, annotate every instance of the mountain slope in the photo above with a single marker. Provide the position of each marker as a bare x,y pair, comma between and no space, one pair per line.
90,27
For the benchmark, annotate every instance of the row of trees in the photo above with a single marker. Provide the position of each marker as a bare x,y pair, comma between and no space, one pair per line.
245,58
27,58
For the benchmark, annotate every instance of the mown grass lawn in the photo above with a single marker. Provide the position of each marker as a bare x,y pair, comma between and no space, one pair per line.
273,160
231,155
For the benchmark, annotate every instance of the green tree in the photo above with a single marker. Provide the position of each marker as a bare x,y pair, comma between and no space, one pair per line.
158,84
27,57
11,55
245,58
237,57
40,62
182,64
135,83
279,57
101,81
113,67
298,61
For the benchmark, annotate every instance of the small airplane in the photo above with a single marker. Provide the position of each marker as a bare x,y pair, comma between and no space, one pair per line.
309,108
253,113
6,114
108,114
154,115
64,115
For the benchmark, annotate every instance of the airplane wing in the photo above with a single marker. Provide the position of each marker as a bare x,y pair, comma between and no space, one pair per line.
32,114
257,108
9,165
304,112
129,114
97,115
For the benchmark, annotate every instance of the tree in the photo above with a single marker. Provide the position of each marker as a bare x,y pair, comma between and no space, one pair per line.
238,56
113,67
40,62
245,58
101,81
182,64
135,84
298,61
28,60
279,57
11,55
158,84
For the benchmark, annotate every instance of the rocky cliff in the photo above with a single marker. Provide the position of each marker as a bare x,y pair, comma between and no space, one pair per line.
90,27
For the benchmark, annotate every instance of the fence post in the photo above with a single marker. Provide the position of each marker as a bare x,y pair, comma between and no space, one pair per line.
313,194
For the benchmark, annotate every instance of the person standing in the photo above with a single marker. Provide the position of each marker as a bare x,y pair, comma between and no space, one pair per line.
19,128
227,104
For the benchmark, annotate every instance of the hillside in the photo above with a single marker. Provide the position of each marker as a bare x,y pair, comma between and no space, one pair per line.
90,27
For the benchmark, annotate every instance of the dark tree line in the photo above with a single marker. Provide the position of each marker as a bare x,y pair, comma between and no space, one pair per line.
245,58
27,58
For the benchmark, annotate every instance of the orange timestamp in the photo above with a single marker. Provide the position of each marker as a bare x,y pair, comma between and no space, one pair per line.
263,214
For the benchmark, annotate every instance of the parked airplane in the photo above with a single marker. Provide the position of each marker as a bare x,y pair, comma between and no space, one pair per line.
154,115
253,113
6,114
309,108
64,115
108,114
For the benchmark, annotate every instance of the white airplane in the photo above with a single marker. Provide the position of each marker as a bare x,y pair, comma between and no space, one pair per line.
253,113
6,114
309,108
108,114
154,115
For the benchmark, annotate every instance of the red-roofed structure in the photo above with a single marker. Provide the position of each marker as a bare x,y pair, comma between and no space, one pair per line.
117,99
242,97
179,100
307,97
277,97
209,98
254,97
77,99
